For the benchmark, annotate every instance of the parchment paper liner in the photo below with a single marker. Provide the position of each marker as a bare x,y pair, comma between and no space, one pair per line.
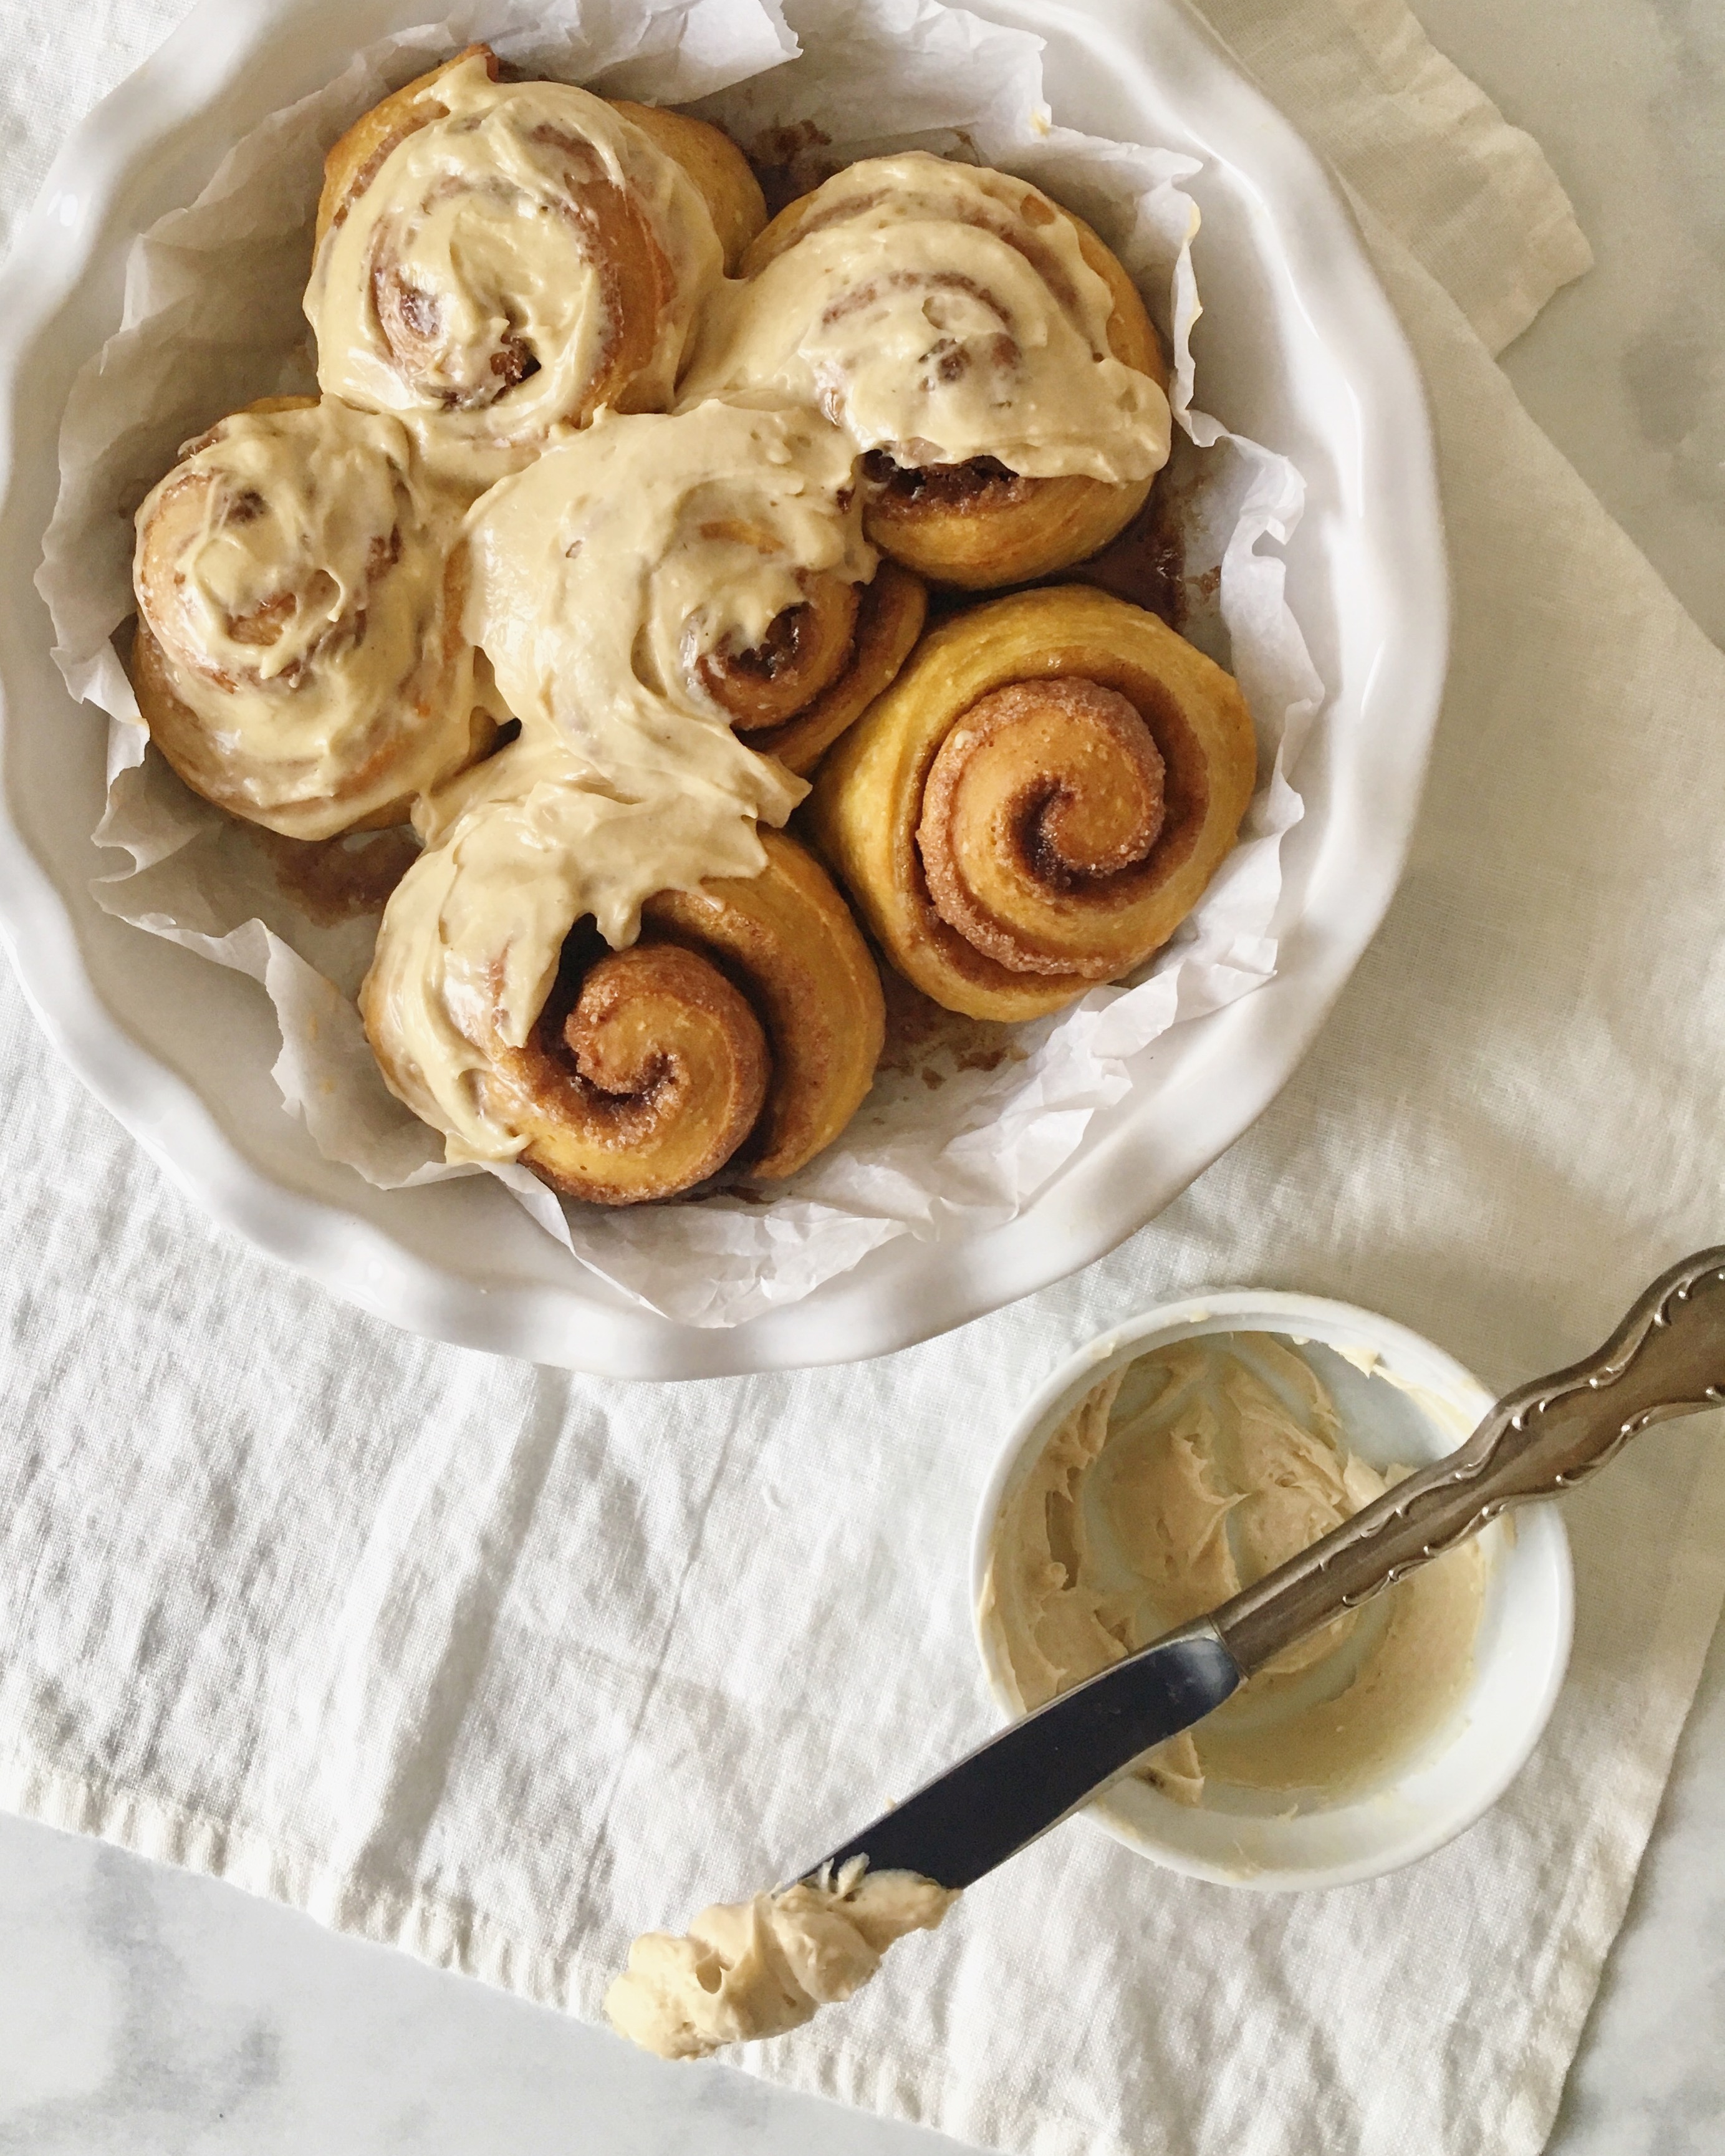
957,1135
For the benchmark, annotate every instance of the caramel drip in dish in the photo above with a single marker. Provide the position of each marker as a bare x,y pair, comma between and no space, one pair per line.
524,254
299,658
940,313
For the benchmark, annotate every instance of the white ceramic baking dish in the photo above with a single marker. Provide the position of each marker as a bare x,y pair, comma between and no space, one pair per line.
1298,348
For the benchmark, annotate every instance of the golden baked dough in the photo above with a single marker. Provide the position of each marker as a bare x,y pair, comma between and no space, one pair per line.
794,693
643,1078
744,1025
299,658
787,937
502,259
987,353
1038,801
732,192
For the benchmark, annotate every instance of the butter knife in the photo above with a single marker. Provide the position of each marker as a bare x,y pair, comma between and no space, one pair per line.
1667,1358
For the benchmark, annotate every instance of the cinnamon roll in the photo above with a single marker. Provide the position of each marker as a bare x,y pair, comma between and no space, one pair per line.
742,1026
502,259
686,595
298,657
980,346
1038,801
719,169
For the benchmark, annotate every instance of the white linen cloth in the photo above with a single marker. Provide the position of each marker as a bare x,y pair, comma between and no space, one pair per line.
502,1664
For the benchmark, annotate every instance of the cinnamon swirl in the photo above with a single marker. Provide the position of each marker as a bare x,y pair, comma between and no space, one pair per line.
1038,801
744,1024
502,259
981,347
299,658
687,594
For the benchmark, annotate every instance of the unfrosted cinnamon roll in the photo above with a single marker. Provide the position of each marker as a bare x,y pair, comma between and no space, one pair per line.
1038,801
980,346
743,1025
299,658
502,259
685,594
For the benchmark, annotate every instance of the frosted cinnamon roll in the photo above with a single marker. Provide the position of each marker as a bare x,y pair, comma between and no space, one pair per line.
1039,800
502,259
696,586
719,169
742,1025
980,345
298,657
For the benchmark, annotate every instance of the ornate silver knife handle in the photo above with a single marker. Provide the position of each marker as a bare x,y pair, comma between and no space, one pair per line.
1667,1358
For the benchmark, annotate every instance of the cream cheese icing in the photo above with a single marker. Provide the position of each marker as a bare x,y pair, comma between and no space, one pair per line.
603,575
525,844
293,567
499,244
942,312
599,579
763,1967
1169,1487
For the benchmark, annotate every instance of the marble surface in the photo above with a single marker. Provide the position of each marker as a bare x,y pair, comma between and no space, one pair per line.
1626,369
146,2010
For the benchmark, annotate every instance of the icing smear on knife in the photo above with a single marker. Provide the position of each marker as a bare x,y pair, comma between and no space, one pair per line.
764,1967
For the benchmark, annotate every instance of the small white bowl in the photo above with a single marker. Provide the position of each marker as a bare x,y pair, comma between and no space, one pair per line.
1520,1653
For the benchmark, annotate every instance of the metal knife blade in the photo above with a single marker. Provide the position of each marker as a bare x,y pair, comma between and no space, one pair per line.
1018,1784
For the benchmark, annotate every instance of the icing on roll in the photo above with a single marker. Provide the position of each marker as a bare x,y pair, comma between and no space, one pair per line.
623,588
1038,801
641,592
719,169
299,658
974,341
673,592
940,312
746,1020
518,851
503,258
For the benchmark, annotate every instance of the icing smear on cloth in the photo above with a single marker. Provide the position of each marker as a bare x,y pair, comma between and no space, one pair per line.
213,321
